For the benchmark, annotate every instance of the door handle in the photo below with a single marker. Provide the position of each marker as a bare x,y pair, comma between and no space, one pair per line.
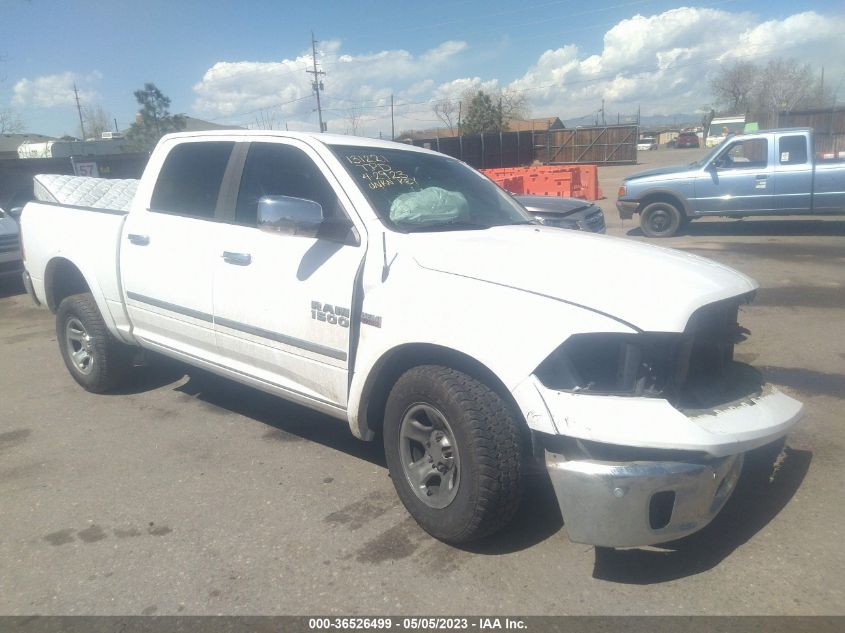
238,259
139,240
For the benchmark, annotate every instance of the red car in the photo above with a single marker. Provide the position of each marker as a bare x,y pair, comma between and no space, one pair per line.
687,139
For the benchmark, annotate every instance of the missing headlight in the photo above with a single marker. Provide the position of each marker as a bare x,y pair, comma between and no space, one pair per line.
693,370
624,364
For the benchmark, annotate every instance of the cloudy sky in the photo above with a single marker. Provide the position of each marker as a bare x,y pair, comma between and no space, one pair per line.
244,62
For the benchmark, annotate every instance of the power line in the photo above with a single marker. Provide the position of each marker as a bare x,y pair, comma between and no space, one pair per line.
248,112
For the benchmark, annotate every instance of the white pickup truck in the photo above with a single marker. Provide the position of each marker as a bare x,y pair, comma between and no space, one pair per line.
402,292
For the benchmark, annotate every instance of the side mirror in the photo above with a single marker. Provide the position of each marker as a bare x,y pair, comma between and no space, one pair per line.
717,163
293,216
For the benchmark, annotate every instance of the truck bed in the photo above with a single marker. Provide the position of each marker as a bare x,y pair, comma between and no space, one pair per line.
59,235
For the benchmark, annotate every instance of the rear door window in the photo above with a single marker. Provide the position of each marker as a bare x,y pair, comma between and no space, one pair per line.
190,179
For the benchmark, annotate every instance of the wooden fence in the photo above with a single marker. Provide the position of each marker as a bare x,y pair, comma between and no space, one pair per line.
603,145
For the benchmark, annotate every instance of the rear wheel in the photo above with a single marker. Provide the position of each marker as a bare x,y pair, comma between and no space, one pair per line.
95,359
660,219
454,451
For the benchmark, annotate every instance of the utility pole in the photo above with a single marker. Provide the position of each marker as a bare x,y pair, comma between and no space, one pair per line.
392,129
821,88
460,108
116,131
79,110
317,83
603,122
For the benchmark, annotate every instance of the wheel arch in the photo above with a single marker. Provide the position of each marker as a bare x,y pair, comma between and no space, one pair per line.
62,278
664,195
396,361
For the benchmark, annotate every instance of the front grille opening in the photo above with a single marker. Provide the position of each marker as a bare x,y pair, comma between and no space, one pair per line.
660,509
706,373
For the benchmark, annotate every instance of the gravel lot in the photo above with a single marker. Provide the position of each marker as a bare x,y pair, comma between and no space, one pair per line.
188,494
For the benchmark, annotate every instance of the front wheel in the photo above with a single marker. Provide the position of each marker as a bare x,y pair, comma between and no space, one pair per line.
95,359
660,219
454,450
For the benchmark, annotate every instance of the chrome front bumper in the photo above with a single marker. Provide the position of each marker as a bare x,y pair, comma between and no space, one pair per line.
628,504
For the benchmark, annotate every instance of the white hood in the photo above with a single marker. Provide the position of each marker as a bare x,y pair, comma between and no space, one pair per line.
652,288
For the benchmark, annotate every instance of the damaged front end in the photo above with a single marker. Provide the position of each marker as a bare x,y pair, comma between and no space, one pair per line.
645,432
693,370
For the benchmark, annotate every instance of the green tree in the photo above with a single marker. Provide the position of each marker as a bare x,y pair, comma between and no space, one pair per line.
482,115
153,119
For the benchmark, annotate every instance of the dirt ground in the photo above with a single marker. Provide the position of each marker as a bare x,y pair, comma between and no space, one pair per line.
187,494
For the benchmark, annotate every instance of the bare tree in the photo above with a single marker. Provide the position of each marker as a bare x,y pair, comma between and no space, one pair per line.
353,119
784,84
447,111
515,105
266,120
96,120
734,86
10,122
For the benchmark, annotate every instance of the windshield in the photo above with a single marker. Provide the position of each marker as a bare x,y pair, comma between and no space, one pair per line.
413,191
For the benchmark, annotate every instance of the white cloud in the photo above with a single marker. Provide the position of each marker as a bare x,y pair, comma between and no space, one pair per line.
659,63
237,89
457,87
443,52
51,91
421,87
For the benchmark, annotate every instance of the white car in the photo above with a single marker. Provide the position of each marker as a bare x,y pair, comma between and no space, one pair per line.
403,293
647,143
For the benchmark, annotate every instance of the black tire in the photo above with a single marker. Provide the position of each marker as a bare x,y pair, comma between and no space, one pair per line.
108,359
660,219
488,447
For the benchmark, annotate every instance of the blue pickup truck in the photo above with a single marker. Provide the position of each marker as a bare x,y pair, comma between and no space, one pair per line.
765,173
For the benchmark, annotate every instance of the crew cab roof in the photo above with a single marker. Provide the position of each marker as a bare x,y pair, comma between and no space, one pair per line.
324,138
